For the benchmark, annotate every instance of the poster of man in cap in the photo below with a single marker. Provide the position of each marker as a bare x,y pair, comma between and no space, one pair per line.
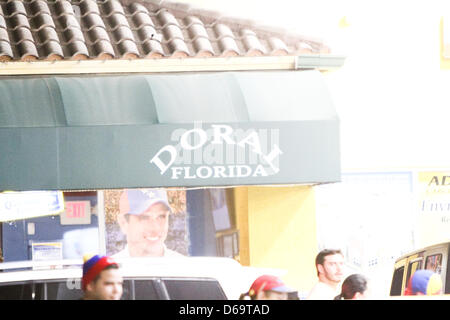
143,218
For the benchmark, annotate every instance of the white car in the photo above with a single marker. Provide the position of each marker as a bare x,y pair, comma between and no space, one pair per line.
185,278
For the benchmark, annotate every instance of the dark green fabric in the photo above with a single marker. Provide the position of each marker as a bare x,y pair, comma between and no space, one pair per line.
96,132
30,103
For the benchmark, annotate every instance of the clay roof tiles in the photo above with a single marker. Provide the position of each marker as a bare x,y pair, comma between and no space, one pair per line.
121,29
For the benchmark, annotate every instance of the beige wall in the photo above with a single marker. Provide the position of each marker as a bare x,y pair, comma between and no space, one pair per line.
278,230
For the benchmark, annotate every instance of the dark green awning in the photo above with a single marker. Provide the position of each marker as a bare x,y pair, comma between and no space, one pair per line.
202,129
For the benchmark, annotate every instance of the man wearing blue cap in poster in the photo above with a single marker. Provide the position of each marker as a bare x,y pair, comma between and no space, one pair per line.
144,219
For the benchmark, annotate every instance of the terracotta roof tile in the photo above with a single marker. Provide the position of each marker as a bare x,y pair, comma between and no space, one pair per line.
88,7
3,33
166,18
115,29
6,53
39,7
112,7
251,42
70,30
277,46
62,8
42,20
14,7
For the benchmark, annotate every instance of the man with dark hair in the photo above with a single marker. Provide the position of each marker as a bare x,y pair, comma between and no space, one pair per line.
329,265
144,219
101,279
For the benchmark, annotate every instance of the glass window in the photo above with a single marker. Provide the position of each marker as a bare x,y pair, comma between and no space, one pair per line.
20,291
219,209
38,291
63,290
71,290
49,225
127,292
199,223
413,266
145,290
194,290
397,280
186,222
434,263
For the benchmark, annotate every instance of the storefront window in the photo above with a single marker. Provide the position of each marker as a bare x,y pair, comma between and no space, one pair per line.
126,223
169,222
48,225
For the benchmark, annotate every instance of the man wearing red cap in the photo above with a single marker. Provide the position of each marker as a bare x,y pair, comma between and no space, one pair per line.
268,287
101,279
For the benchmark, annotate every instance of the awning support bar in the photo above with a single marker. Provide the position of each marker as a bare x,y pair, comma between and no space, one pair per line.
322,62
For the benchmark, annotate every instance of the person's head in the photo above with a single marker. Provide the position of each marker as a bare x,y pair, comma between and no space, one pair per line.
424,282
144,219
268,287
101,279
329,265
354,287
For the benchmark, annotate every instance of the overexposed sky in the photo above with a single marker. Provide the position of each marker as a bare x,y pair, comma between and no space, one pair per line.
321,17
391,96
308,17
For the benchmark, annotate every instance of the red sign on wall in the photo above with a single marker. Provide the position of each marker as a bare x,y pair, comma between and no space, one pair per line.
77,212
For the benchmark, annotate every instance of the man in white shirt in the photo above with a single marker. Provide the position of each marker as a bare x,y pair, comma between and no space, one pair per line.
144,219
329,265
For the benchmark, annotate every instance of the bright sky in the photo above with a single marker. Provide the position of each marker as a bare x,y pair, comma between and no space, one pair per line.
391,95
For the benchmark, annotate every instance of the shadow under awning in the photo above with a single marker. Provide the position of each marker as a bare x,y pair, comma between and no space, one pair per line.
167,130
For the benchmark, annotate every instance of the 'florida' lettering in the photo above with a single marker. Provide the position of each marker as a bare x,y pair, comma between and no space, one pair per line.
196,138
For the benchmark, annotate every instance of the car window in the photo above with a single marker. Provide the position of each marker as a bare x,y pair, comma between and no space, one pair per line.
434,263
204,289
63,290
20,291
397,281
127,292
146,290
138,289
412,267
